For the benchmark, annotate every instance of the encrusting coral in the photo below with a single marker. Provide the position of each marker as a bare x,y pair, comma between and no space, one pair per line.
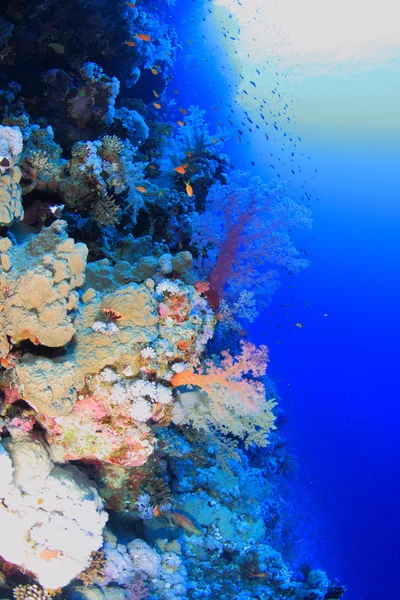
10,175
37,283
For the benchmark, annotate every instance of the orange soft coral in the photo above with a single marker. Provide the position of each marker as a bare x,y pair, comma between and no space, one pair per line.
236,403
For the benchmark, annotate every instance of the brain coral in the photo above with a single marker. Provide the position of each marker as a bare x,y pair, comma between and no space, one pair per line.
37,279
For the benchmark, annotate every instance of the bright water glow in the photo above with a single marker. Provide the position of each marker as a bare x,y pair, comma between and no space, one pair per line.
318,34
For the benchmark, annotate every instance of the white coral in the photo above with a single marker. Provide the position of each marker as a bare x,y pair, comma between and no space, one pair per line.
53,517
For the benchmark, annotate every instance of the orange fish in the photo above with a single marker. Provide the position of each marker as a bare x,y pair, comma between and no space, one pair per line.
140,188
47,554
6,363
130,43
113,314
180,520
259,575
190,41
214,108
154,71
188,154
157,511
156,105
180,123
181,169
184,111
157,66
155,93
130,4
214,140
144,37
176,92
189,189
152,167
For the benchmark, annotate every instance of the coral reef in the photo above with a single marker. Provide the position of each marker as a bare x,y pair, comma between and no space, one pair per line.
52,514
131,255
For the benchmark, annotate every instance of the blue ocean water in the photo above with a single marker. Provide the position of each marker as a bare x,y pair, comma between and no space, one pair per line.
338,373
331,329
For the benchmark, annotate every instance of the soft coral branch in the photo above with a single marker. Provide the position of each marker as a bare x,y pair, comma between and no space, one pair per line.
243,232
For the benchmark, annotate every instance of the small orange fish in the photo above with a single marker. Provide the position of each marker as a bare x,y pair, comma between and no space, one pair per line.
189,189
144,37
259,575
184,111
130,43
157,511
47,554
181,169
299,325
214,108
185,523
188,154
190,41
154,71
180,123
113,314
130,4
142,189
214,140
6,363
155,93
156,105
152,167
176,92
157,66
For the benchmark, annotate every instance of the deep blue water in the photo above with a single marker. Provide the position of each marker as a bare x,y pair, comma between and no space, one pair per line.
338,375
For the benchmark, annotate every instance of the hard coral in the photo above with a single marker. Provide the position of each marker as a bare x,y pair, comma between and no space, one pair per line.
38,278
52,514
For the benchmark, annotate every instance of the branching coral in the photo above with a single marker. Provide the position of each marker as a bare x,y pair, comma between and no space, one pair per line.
235,400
